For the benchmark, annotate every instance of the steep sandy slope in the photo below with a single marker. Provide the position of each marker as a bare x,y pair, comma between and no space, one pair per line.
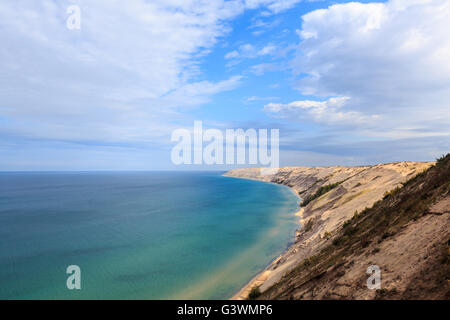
406,235
355,189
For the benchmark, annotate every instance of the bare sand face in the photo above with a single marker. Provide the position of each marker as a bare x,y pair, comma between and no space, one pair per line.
360,187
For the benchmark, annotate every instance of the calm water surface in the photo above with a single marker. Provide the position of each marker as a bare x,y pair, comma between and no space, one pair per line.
138,235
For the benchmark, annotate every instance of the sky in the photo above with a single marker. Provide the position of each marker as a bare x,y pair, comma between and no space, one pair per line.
346,83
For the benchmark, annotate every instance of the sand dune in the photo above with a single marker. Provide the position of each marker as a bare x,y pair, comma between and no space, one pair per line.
359,187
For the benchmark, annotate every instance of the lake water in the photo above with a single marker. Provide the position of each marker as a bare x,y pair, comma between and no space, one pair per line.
138,235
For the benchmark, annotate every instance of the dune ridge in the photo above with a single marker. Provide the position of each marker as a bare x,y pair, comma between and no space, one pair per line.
349,190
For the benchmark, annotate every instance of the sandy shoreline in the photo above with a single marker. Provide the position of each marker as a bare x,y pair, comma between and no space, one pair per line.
266,273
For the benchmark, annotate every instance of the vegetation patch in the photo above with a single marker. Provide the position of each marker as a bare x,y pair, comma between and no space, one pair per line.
254,293
309,225
352,197
321,191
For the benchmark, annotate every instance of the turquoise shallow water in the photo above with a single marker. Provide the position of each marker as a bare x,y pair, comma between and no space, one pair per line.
138,235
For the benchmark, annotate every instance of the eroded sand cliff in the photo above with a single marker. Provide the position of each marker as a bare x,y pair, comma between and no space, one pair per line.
358,188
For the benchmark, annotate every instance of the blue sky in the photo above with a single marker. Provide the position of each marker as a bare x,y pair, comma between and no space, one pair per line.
346,83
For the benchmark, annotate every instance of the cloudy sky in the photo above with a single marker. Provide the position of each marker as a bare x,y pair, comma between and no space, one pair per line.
346,83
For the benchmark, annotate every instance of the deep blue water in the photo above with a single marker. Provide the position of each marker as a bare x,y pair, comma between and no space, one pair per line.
138,235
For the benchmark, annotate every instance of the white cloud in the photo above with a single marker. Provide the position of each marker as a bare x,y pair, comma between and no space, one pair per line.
274,6
256,98
269,49
232,55
244,51
118,77
391,58
323,112
262,68
249,51
124,76
260,26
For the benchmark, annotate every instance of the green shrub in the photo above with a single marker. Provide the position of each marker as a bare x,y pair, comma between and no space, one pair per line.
321,191
254,293
349,231
309,225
